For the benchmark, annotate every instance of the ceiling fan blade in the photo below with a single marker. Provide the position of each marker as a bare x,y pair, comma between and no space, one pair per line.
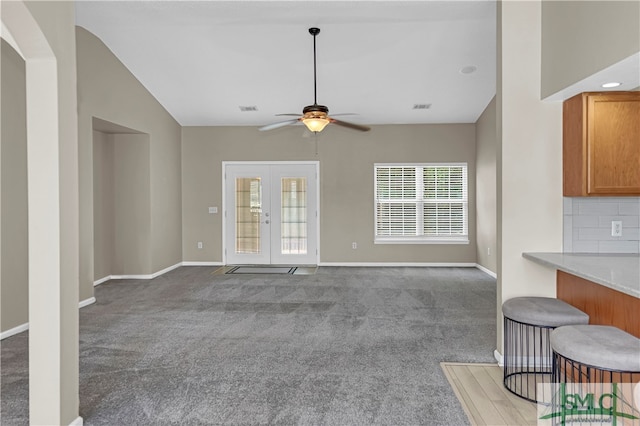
350,125
277,125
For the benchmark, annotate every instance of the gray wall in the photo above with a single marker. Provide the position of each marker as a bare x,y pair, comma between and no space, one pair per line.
580,38
14,282
108,91
103,209
121,198
486,155
132,204
346,183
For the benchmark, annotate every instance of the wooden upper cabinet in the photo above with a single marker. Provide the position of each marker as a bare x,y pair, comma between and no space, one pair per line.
601,144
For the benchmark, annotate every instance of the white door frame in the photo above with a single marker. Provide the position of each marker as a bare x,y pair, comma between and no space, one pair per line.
316,164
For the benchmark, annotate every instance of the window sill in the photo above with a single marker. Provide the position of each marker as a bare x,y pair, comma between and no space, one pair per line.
421,241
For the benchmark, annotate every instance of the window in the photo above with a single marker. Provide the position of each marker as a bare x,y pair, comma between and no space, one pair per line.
421,203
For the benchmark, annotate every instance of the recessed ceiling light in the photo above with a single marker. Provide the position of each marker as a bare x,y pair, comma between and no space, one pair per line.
611,84
248,108
469,69
421,106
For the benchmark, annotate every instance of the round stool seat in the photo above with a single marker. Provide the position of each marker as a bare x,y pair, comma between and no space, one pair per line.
599,346
543,312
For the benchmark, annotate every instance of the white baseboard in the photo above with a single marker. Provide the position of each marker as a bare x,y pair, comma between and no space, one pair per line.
132,277
487,271
87,302
192,263
401,264
15,330
165,270
102,280
137,277
77,422
498,356
24,327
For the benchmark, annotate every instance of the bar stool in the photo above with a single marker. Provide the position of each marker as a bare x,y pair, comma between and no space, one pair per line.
589,359
528,321
595,354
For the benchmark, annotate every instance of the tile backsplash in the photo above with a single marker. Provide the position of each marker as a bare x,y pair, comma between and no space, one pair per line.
587,224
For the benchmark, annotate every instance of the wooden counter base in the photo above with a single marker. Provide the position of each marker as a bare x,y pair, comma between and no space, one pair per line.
604,306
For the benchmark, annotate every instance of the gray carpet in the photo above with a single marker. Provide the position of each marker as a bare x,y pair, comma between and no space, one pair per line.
346,346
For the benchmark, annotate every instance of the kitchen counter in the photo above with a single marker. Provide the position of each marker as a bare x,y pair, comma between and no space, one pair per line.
619,272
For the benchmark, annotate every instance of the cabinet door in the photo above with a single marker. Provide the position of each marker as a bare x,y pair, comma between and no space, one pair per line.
613,143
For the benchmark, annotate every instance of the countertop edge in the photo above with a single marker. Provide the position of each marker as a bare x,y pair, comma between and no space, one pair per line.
540,259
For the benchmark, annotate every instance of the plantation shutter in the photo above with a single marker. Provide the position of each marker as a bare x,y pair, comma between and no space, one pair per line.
421,203
445,200
397,200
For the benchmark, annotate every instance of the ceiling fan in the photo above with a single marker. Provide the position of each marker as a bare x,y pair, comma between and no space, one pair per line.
315,117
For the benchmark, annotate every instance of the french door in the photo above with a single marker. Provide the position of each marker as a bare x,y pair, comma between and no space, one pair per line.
271,213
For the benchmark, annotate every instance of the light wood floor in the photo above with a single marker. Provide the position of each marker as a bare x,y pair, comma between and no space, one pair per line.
484,398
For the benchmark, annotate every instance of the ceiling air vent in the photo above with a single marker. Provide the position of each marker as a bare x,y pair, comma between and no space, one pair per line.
248,108
421,106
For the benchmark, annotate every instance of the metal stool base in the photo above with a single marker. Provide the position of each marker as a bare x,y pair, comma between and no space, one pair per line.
578,378
527,359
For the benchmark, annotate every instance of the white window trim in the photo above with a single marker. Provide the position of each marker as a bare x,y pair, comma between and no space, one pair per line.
420,239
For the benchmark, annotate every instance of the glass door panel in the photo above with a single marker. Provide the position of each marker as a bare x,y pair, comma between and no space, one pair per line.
247,230
293,221
294,239
248,215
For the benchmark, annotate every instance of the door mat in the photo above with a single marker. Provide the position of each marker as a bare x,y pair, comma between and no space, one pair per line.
262,270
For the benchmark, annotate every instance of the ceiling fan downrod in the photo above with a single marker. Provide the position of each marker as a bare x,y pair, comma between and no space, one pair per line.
314,32
315,112
315,116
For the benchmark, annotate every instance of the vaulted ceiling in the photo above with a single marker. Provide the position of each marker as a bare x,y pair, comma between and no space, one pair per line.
205,60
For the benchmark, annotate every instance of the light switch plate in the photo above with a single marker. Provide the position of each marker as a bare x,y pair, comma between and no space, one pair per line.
213,210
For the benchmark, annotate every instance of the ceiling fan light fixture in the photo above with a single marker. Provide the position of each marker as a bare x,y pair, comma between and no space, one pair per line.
315,117
315,124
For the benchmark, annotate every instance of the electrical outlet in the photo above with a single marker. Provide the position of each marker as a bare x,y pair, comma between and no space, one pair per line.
616,228
199,244
488,251
354,245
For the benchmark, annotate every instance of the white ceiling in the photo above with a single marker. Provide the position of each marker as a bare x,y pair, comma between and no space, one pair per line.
202,60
